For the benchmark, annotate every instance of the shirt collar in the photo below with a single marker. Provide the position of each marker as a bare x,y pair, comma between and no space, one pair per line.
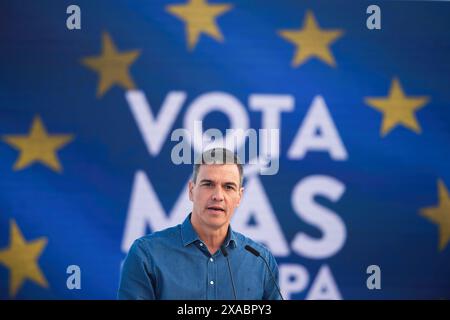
188,234
231,238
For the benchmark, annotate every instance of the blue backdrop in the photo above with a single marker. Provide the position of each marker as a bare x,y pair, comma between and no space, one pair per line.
86,117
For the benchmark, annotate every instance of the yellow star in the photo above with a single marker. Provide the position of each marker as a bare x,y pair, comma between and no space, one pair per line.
311,41
440,215
21,259
38,146
398,109
200,18
112,66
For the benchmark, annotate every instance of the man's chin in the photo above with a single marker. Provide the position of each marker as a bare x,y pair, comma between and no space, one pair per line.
216,220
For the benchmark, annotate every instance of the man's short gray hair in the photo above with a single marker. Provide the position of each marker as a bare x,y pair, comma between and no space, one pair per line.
218,156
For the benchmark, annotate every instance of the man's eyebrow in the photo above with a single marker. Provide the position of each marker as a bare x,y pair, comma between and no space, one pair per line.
206,180
225,183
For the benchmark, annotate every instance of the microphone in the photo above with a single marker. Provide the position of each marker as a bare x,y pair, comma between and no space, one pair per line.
257,254
225,254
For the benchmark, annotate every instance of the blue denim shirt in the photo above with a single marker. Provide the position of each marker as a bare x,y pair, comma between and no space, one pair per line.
175,264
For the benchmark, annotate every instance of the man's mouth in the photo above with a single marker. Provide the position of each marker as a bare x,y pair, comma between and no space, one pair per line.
216,209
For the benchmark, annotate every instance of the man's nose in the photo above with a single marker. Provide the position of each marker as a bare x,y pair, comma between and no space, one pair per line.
217,194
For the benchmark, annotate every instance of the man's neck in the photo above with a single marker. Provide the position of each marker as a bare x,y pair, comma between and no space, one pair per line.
213,238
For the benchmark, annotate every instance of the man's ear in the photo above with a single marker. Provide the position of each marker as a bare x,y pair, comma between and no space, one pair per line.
241,192
191,186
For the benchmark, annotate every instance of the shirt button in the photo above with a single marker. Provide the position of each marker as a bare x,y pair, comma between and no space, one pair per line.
201,244
211,282
211,259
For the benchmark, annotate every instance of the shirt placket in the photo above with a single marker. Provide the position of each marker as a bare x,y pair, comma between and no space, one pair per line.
212,278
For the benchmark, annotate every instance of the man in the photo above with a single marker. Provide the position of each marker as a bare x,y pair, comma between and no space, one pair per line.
202,258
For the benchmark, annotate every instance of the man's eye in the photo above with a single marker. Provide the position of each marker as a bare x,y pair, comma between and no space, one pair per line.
229,187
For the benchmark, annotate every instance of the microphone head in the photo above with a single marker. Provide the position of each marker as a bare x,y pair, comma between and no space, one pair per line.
252,250
224,251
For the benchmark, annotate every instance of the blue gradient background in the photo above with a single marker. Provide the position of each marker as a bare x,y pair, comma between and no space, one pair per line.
83,210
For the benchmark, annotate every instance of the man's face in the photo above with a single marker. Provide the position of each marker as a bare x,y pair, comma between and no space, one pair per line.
216,194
